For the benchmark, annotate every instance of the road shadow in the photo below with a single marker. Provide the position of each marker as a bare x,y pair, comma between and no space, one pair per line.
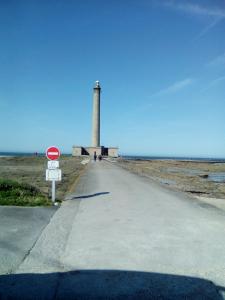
90,196
107,284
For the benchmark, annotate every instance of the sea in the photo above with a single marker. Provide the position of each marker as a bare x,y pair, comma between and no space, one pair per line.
200,159
19,154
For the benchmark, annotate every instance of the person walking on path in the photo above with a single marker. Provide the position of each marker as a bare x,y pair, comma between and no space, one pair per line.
95,156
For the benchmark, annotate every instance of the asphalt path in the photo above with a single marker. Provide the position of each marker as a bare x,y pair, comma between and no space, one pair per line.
122,236
20,227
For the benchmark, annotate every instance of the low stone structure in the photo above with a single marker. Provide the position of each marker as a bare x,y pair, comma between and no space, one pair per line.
95,148
111,151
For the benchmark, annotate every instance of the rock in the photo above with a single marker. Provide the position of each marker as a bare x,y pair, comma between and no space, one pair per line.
204,175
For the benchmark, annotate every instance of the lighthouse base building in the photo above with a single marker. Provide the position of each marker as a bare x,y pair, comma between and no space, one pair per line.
95,148
110,151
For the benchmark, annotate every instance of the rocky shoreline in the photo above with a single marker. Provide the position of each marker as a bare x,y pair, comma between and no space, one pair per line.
198,178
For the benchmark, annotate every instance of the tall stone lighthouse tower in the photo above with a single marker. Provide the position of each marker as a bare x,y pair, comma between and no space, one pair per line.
96,116
95,147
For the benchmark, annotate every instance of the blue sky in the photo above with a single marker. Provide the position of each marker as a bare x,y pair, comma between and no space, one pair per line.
161,65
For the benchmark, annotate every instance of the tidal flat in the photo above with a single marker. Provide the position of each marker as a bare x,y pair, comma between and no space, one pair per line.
198,178
30,170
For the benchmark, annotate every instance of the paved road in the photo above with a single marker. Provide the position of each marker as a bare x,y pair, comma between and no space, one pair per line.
121,236
20,228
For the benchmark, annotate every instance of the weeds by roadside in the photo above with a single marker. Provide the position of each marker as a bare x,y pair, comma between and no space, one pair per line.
23,180
21,194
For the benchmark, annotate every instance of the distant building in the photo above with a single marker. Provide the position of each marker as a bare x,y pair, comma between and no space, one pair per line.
95,146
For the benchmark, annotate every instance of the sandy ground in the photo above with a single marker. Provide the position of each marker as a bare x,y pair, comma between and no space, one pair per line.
31,170
186,176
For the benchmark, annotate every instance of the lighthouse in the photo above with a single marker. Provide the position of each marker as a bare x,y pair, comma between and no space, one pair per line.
96,116
95,147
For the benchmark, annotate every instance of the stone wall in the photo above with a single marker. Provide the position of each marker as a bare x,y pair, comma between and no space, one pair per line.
113,152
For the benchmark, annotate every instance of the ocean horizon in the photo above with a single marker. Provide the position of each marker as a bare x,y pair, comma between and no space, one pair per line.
178,158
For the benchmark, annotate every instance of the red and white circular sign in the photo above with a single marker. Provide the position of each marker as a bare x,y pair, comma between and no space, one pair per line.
52,153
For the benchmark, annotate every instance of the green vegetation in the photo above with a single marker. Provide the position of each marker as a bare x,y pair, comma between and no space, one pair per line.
21,194
29,187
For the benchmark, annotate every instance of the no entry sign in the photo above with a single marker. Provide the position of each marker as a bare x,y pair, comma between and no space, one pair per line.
53,153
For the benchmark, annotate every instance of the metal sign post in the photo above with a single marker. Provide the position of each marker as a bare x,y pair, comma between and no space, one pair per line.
53,173
53,191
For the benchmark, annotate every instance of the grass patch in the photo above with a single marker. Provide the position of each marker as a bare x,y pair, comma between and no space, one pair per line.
21,194
30,170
